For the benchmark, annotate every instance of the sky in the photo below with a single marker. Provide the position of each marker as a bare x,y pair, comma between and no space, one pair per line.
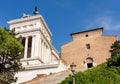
64,17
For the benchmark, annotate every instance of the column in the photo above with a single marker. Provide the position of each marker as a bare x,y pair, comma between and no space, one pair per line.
50,52
26,47
40,56
36,45
48,55
41,48
43,51
37,39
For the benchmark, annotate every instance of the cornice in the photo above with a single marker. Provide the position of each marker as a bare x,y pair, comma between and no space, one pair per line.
31,18
44,66
20,20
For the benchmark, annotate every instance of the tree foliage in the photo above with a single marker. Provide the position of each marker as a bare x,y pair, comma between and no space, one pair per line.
101,74
115,55
10,54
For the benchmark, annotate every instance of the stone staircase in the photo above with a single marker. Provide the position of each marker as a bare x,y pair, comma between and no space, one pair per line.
55,78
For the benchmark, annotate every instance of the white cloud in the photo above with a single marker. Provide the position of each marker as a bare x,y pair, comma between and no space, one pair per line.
104,21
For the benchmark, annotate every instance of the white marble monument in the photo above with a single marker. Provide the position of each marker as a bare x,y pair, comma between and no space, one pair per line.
39,55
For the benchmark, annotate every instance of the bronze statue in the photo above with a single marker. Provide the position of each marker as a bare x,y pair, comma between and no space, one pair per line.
35,12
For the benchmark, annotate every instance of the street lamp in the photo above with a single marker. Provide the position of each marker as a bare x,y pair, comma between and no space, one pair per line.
72,67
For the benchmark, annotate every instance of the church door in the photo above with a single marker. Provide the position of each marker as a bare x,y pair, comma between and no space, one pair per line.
89,62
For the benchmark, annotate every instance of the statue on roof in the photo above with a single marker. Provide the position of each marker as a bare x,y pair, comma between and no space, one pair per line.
35,12
25,15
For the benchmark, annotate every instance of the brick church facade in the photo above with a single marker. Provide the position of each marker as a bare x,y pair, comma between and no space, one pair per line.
88,48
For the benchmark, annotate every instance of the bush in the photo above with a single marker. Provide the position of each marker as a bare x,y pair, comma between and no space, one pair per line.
101,74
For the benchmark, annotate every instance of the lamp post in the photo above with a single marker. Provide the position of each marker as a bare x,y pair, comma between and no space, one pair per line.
72,67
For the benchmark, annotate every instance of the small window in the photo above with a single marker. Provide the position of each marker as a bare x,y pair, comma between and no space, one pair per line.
86,35
88,46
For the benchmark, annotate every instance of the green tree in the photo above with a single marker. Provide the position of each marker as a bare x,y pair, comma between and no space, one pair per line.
10,55
115,54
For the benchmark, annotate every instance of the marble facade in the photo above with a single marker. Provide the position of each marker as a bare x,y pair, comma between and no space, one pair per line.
39,55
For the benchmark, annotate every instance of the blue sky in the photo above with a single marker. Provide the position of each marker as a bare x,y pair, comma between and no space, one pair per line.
66,16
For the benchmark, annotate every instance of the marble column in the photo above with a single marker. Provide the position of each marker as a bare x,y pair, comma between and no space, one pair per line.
48,57
26,47
46,53
40,44
43,51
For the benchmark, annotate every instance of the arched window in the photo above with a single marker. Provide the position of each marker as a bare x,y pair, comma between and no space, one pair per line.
89,62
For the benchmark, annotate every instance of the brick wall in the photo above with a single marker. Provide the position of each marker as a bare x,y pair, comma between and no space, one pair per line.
76,51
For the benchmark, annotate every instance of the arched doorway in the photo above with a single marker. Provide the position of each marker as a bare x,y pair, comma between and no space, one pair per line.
89,62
